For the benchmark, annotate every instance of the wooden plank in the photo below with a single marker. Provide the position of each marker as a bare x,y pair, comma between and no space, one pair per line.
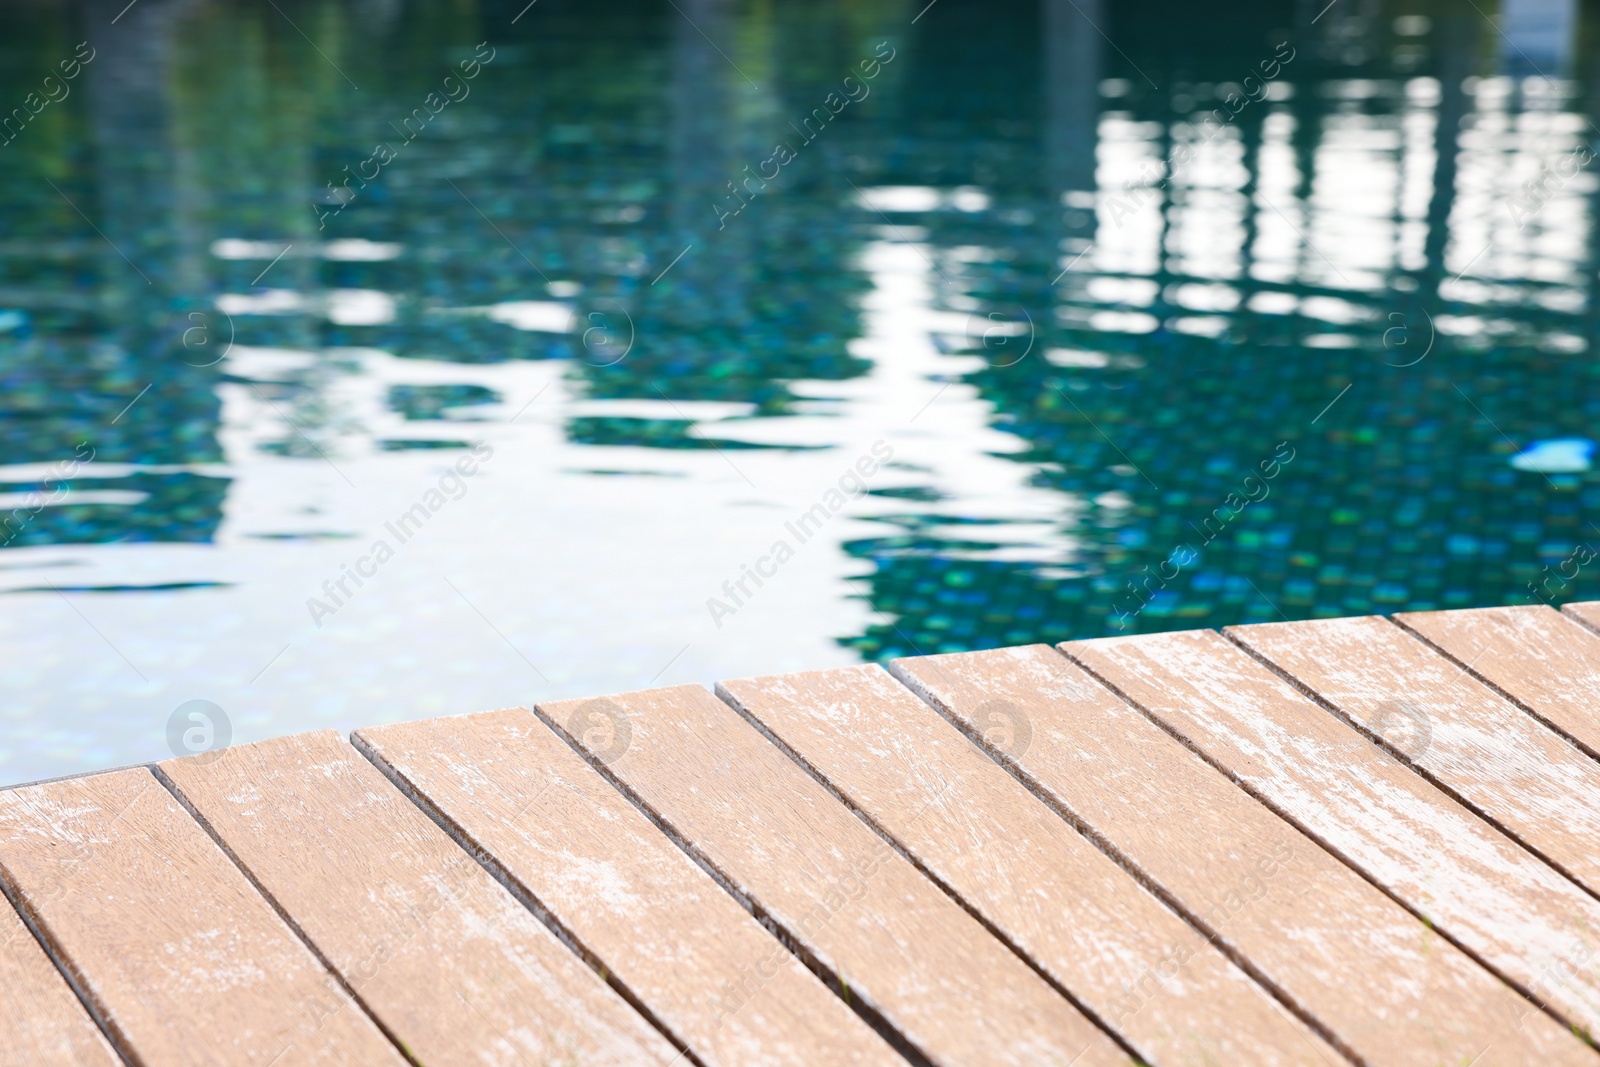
866,916
1471,882
1547,663
1586,613
437,950
1396,994
1491,754
178,953
41,1021
632,901
1082,919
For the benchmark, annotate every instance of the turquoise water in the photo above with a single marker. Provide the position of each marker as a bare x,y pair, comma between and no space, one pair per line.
366,361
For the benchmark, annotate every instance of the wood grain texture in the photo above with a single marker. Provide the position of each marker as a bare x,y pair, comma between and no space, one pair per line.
1585,612
632,899
1532,781
1085,921
904,949
41,1021
185,961
1549,663
1470,881
1385,985
437,950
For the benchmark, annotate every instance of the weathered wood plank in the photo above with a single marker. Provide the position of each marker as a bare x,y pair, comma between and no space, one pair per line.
1084,920
1387,987
1474,884
866,915
437,950
634,902
41,1021
1548,663
1586,613
180,955
1530,780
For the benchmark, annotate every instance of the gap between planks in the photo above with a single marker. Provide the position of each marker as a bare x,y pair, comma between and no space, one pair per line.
287,919
1113,919
522,895
1472,671
757,817
706,939
1533,730
916,861
140,996
1177,646
1121,858
829,977
1319,840
790,943
27,921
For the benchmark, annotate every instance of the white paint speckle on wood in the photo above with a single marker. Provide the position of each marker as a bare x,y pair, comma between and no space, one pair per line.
411,921
1500,759
176,948
627,894
782,840
1465,876
1087,922
1374,975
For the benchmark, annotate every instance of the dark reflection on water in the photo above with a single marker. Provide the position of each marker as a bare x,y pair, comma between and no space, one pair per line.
1264,298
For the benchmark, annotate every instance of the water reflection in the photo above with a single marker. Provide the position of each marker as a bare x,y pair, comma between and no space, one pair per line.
1169,319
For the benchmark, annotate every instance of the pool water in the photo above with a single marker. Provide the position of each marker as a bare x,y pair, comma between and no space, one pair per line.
372,360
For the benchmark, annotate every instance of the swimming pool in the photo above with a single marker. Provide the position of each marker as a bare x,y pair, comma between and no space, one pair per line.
365,361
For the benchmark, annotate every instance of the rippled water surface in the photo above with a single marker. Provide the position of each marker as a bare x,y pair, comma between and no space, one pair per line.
373,360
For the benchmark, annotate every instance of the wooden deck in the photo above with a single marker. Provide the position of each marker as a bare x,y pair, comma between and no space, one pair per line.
1366,841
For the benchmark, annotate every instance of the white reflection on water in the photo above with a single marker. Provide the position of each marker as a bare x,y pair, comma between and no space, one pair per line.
598,580
1198,308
